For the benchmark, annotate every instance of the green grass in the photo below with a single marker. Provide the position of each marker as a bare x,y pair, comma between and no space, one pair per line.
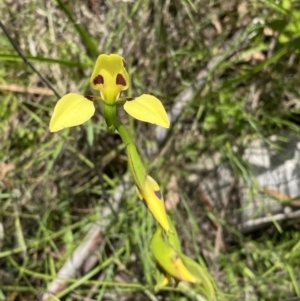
54,187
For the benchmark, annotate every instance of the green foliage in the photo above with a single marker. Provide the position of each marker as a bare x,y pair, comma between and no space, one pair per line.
8,106
287,23
50,193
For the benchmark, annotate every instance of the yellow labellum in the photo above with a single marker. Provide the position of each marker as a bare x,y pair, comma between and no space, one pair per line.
149,109
71,110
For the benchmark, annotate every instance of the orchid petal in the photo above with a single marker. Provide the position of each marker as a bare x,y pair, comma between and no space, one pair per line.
152,196
71,110
149,109
110,77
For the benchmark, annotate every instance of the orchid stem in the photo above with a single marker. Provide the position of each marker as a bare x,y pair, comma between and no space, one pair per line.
135,163
110,115
125,135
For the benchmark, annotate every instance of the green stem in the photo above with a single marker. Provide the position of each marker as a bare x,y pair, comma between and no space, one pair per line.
135,163
110,116
126,137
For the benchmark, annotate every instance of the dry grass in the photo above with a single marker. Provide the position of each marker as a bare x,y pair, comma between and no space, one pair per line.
50,192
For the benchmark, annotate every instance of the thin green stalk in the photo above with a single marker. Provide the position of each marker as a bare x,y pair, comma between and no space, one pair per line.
135,163
125,135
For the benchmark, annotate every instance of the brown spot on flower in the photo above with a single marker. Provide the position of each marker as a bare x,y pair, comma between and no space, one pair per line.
124,63
120,80
129,98
98,80
158,194
89,97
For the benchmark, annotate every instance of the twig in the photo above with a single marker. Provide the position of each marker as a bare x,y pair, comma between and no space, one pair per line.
30,90
262,221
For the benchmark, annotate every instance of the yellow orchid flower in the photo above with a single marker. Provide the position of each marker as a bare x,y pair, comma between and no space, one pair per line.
172,263
148,189
110,78
169,258
151,195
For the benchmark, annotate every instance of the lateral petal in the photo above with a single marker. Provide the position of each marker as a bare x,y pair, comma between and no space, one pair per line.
148,108
71,110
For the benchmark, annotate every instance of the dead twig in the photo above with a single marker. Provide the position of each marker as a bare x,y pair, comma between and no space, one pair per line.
29,90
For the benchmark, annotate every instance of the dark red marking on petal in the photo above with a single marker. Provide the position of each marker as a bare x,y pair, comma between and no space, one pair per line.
124,63
120,80
129,98
98,80
158,194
